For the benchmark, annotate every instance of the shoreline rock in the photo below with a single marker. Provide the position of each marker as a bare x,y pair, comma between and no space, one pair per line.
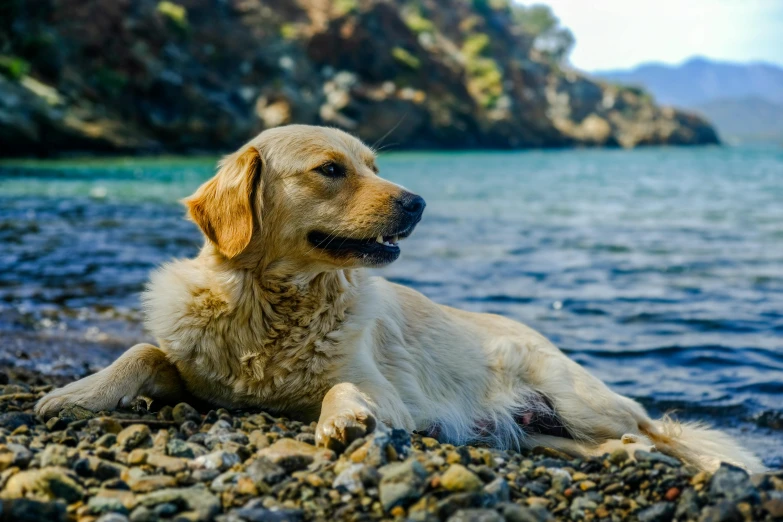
134,465
151,77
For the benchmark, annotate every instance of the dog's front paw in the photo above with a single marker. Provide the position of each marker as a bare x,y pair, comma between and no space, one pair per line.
337,431
90,393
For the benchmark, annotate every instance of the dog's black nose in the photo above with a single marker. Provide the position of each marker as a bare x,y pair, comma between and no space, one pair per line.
412,204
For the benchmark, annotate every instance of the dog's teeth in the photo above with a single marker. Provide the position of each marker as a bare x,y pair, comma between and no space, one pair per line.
395,239
379,239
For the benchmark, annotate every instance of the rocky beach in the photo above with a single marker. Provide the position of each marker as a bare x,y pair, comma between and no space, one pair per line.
181,464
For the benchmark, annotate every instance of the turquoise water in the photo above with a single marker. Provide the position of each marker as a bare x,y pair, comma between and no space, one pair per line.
661,270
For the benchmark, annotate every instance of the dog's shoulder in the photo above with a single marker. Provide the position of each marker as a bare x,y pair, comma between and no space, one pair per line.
183,295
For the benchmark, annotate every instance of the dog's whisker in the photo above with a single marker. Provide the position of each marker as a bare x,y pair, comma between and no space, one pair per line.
380,140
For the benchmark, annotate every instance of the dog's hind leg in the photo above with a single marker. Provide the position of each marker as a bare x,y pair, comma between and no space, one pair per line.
595,416
142,370
584,449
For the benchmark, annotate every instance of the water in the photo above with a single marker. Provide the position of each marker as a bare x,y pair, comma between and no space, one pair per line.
661,270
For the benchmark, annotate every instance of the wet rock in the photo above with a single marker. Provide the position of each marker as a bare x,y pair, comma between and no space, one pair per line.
47,483
185,412
112,517
217,460
13,420
618,456
261,514
171,465
105,425
475,515
499,490
196,502
179,448
148,483
725,511
401,483
73,412
26,510
263,471
15,455
658,512
460,478
356,478
517,513
653,457
734,484
134,436
111,500
293,455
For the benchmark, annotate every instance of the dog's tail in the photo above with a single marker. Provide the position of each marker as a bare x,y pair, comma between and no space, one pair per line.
698,444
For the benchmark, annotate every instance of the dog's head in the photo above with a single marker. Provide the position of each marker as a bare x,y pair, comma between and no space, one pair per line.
305,194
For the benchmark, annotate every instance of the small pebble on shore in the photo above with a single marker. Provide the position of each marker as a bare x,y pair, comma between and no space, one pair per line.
181,464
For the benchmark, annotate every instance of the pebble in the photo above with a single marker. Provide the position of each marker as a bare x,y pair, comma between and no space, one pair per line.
460,478
294,455
181,464
658,512
134,436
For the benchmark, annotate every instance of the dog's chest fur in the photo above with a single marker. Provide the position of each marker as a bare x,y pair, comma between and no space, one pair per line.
283,355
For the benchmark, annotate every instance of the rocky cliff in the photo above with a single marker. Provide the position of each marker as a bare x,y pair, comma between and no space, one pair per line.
122,76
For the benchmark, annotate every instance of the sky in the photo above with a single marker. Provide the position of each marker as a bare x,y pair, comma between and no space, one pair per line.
619,34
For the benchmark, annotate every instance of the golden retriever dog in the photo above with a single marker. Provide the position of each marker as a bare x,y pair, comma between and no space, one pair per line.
276,312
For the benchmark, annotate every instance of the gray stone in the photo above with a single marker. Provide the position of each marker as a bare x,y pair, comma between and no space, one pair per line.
401,483
653,457
53,483
112,517
219,460
475,515
15,455
260,514
263,471
517,513
499,490
658,512
350,479
134,436
725,511
57,455
226,481
196,500
14,419
688,505
734,484
26,510
185,412
100,505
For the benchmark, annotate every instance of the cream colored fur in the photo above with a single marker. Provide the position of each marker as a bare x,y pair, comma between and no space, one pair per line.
264,319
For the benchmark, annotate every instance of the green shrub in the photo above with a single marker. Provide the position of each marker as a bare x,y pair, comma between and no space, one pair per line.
174,12
289,31
475,44
406,58
13,67
344,7
417,23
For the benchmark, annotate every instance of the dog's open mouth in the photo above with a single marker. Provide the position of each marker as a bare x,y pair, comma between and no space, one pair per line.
380,249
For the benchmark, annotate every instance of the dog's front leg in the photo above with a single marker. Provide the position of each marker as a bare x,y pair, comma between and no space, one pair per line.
142,370
350,411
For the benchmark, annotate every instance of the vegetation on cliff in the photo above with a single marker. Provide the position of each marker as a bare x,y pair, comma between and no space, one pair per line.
183,75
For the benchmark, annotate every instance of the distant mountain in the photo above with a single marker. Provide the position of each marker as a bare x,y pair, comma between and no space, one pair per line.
699,80
745,119
744,101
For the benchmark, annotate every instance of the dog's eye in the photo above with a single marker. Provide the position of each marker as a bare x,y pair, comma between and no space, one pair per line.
331,170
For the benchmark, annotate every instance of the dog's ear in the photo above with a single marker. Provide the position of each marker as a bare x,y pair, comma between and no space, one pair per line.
223,206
